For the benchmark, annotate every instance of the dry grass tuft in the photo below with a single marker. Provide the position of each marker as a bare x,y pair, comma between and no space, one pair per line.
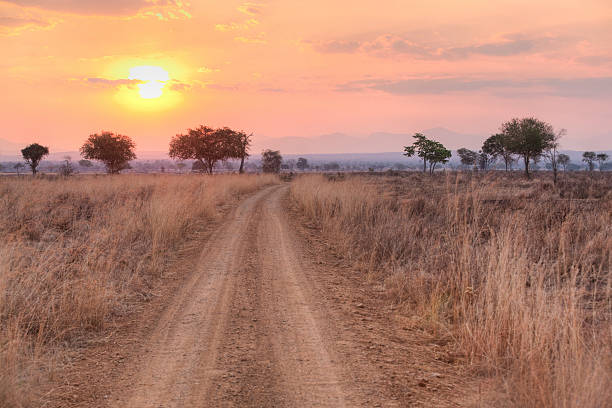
517,271
75,253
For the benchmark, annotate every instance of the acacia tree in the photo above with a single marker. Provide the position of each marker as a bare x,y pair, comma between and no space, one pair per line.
563,160
468,157
33,154
498,146
420,147
485,160
204,144
114,150
271,161
437,154
85,163
601,158
430,151
528,138
239,144
302,163
589,158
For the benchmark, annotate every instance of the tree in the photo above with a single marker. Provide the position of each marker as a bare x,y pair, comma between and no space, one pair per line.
438,154
203,144
241,142
114,150
302,163
18,167
1,167
428,150
33,154
498,146
552,154
180,166
85,163
468,157
589,158
528,138
418,147
563,160
66,169
485,160
271,161
601,158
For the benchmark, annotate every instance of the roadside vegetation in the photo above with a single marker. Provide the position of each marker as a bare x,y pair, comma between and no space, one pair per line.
514,271
76,253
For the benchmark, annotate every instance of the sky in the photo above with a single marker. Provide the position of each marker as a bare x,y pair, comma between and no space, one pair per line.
151,69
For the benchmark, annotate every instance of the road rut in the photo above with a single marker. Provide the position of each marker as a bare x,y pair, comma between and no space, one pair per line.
269,318
241,330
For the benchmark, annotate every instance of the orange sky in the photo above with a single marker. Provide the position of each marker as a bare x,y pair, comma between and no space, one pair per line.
304,68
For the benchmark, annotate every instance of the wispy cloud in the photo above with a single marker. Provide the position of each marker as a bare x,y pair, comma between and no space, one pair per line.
207,70
14,20
160,9
251,9
259,39
112,83
575,87
390,45
245,25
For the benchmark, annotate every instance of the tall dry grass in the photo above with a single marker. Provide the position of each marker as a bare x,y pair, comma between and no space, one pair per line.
516,271
76,253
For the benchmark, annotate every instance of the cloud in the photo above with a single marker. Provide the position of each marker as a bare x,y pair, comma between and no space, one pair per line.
250,9
14,20
111,7
20,22
176,85
252,40
237,26
207,70
338,46
574,88
172,85
113,83
390,45
163,9
595,60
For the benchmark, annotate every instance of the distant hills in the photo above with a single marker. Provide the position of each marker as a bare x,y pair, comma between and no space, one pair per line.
338,147
379,142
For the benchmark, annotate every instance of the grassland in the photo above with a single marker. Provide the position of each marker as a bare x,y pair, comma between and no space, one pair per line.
77,253
516,272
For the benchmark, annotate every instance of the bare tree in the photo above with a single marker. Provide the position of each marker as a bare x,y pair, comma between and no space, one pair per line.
551,154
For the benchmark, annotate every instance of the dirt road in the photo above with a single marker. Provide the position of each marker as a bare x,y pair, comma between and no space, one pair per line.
259,324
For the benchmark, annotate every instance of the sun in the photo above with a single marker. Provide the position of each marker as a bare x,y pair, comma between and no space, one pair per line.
152,80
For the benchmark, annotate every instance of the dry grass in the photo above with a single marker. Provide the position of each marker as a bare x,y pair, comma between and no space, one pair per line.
516,271
76,253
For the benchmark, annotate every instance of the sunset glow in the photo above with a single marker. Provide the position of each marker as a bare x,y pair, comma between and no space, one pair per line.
153,80
150,69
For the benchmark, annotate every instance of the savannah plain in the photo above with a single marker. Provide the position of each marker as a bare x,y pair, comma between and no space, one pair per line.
381,289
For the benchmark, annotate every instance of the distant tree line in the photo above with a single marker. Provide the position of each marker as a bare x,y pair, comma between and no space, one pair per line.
528,140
